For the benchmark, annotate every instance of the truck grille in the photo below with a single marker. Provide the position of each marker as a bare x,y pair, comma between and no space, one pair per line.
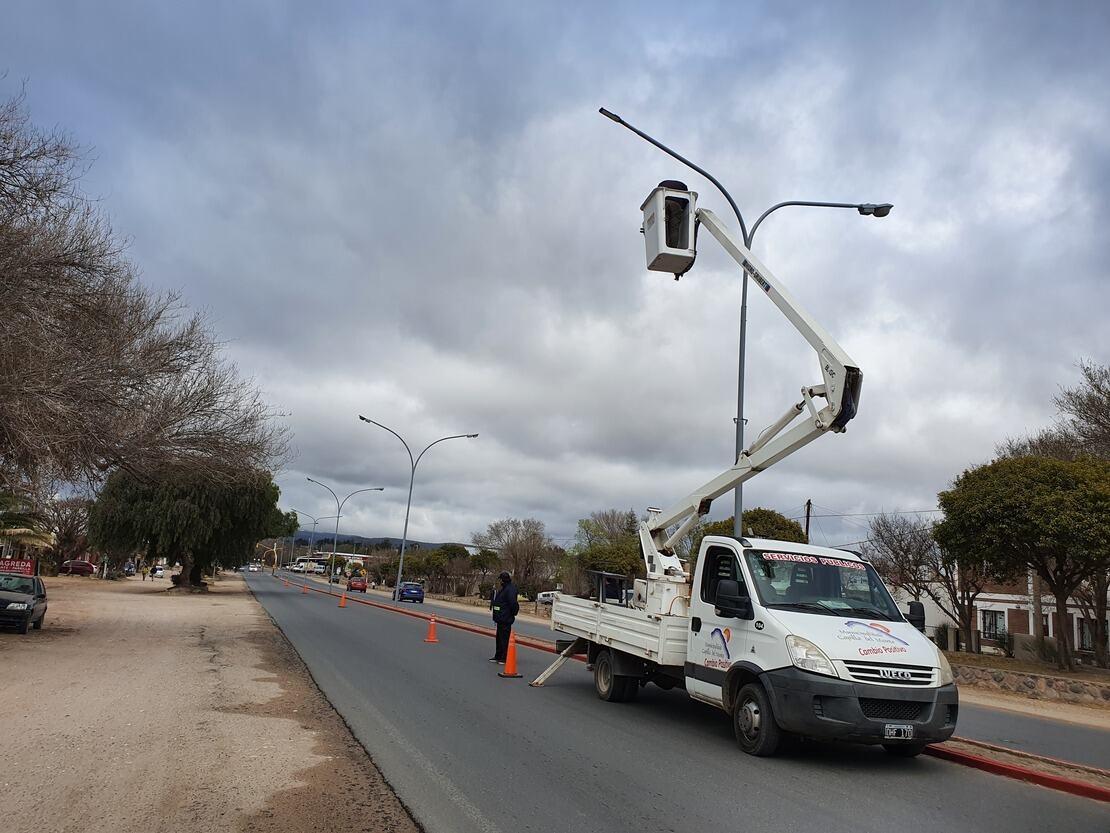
890,709
890,674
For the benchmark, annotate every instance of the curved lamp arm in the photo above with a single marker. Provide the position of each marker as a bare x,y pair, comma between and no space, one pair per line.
441,439
395,434
864,208
684,161
359,492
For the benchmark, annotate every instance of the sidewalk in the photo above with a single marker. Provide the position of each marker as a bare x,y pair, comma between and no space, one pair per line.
143,710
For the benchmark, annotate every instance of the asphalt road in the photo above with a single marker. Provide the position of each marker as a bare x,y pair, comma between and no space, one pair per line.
1055,739
469,751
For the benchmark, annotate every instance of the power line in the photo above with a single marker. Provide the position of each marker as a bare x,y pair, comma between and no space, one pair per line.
868,514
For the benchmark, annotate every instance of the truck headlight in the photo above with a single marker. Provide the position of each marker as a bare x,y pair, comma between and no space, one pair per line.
17,605
946,676
809,657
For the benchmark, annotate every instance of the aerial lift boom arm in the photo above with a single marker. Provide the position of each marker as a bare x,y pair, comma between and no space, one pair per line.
840,389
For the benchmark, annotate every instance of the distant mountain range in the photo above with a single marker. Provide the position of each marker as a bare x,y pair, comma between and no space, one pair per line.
306,535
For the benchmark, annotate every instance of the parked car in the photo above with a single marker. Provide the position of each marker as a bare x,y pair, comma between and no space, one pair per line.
546,597
297,568
318,568
77,568
254,568
356,583
157,571
129,569
410,592
22,602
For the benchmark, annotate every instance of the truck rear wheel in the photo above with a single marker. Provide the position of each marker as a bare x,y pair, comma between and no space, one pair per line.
610,686
605,681
757,733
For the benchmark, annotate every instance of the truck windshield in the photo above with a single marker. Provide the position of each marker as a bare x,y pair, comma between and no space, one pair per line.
820,585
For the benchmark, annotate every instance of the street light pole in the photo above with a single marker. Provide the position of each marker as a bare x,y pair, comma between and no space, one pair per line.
866,209
338,514
414,462
315,521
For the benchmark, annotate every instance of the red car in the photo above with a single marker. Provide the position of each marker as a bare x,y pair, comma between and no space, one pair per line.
357,583
76,568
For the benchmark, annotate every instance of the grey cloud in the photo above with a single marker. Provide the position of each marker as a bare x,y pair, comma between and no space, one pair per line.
415,212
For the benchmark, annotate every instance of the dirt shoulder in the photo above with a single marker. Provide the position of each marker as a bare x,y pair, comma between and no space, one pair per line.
137,709
1099,676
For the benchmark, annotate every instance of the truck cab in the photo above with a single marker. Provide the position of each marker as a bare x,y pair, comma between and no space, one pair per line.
795,639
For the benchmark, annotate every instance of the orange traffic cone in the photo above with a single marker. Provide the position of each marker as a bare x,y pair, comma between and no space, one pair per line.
285,582
304,588
510,659
343,600
431,637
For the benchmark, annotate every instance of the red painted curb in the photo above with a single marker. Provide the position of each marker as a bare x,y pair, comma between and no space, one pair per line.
1043,779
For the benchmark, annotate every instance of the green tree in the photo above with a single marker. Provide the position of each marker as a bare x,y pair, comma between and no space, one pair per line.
1052,516
283,524
608,541
1082,430
485,563
188,519
762,523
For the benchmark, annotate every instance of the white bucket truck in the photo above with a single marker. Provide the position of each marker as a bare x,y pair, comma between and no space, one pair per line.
788,639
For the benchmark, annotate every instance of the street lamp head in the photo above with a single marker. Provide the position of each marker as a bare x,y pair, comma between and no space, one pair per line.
471,436
874,210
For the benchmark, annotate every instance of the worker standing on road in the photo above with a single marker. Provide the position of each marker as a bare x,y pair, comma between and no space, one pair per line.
144,571
505,608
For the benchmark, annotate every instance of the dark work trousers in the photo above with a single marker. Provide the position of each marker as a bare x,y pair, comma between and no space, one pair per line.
503,632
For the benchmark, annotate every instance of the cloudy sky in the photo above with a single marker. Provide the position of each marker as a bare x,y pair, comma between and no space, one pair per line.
415,212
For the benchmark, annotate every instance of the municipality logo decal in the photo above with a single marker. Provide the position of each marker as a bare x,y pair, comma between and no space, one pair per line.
875,626
724,635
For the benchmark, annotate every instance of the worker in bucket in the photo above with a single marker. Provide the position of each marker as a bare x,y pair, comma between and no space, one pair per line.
505,608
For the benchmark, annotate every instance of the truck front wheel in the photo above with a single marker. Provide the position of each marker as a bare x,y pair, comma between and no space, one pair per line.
757,733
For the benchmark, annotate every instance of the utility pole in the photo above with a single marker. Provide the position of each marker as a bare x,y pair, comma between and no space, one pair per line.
809,511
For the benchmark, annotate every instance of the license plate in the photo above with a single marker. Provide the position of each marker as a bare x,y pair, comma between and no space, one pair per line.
897,731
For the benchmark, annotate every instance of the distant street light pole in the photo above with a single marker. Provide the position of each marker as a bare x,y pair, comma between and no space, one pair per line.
312,541
866,209
338,514
412,477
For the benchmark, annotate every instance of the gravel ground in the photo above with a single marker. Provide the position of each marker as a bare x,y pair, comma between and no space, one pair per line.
141,709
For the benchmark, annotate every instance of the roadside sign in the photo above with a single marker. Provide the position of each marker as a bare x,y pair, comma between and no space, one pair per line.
19,566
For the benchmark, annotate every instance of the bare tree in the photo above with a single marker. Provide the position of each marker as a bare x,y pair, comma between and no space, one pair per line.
902,550
524,547
1086,409
97,371
1083,427
1092,600
68,519
906,554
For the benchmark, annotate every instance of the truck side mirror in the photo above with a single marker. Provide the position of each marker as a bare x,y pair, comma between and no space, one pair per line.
916,616
729,602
